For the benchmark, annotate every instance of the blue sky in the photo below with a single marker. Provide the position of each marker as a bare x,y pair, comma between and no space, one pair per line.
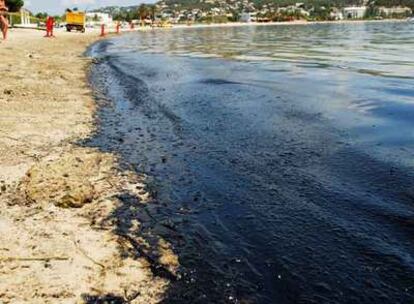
58,6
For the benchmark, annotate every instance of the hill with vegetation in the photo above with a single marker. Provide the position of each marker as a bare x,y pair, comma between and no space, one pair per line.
200,4
281,10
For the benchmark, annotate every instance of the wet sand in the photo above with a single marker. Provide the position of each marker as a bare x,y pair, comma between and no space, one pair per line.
60,241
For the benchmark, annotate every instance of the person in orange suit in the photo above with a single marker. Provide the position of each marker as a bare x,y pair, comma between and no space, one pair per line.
50,23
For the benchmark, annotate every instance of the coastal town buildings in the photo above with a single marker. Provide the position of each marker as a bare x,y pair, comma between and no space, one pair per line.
298,9
397,10
247,17
219,11
336,14
253,11
25,20
354,12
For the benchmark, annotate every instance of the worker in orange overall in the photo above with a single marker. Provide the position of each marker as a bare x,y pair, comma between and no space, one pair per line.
4,23
50,23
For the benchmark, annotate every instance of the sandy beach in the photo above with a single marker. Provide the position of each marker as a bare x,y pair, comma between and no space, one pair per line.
58,199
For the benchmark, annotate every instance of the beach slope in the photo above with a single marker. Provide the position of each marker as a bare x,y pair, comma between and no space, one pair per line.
60,239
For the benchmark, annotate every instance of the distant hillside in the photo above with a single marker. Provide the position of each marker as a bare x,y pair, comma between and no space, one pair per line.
115,9
281,3
259,3
389,3
199,9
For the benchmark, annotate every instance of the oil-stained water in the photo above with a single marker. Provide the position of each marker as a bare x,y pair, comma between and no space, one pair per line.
282,156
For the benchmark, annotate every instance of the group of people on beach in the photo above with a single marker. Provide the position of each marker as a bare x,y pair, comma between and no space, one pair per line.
4,23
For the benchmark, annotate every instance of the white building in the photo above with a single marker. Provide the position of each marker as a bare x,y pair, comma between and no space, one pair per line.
336,14
248,17
354,12
25,17
98,18
295,9
397,10
25,20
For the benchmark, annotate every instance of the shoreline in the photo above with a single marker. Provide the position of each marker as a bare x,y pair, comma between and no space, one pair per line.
59,198
272,23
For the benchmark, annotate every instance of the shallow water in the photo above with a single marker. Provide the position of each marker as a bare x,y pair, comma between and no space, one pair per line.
282,156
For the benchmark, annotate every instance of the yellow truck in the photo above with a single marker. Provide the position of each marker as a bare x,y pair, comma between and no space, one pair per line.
75,21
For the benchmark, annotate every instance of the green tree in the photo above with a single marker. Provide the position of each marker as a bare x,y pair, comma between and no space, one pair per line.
132,15
41,16
371,12
153,10
143,11
58,18
14,5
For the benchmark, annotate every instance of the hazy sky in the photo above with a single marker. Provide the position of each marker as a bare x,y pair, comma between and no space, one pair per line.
58,6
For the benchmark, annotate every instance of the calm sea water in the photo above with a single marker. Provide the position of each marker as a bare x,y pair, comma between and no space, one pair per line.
282,157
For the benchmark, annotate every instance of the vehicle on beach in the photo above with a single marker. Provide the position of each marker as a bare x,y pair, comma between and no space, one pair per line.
75,21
